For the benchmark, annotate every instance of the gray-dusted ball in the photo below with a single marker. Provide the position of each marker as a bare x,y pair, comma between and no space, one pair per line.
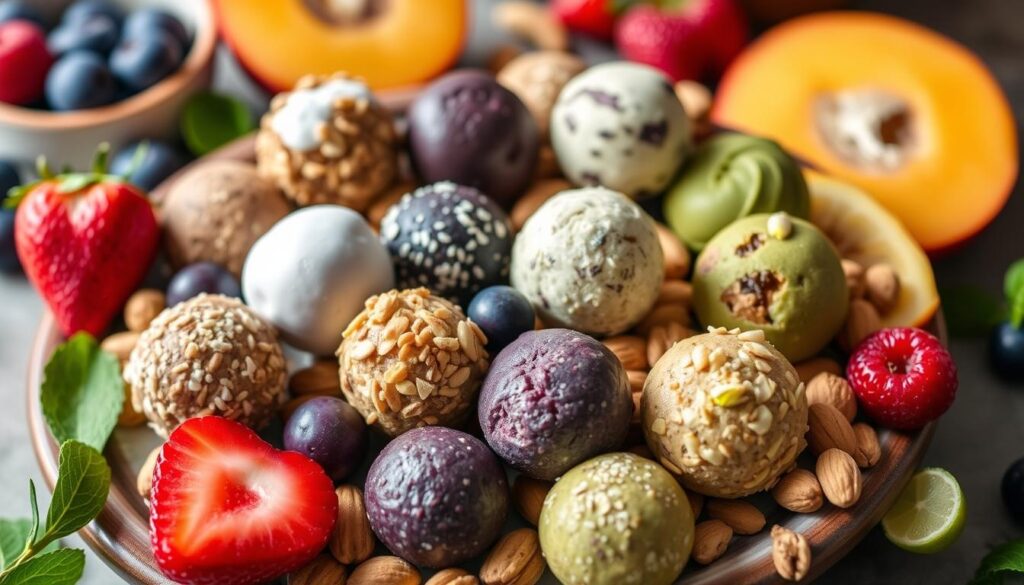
449,238
436,496
552,399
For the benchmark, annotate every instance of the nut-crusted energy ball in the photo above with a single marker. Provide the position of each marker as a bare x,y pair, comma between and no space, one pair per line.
209,355
411,359
328,141
537,77
725,412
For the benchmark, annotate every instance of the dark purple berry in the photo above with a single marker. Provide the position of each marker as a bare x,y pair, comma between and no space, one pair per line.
201,277
97,33
1013,490
503,313
21,10
158,161
80,80
139,63
329,431
84,9
1006,350
151,21
9,179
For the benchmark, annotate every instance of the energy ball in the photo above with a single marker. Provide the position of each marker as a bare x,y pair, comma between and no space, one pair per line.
411,359
787,281
466,128
537,77
590,260
436,497
552,399
725,412
210,355
215,213
616,519
620,125
448,238
329,141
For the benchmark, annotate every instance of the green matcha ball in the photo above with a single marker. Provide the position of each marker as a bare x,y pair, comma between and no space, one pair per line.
733,176
616,519
775,273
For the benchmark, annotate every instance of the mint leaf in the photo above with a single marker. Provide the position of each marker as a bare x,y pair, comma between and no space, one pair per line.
1003,560
14,539
83,481
82,392
61,567
33,528
212,120
1014,279
970,311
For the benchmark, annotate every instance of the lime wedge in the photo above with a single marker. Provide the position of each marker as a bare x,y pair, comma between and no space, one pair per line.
929,514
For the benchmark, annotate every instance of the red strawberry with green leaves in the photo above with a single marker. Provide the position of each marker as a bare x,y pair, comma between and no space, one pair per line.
595,18
228,509
85,241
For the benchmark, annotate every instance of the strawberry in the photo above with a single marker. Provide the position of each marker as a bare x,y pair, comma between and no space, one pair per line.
595,18
689,39
85,241
228,509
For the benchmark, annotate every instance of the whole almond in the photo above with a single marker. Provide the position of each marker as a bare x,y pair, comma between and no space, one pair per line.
453,576
710,539
321,379
829,429
515,560
528,496
630,349
663,315
742,516
808,369
799,491
502,56
532,22
662,337
121,345
323,570
696,99
636,380
862,320
696,503
854,272
675,292
868,448
129,417
826,388
144,483
839,477
142,307
352,539
535,196
791,553
882,287
384,571
677,257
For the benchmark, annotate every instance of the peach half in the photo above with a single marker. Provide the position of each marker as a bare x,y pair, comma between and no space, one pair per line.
909,116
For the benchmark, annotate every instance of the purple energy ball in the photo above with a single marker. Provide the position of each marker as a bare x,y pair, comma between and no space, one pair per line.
436,496
554,398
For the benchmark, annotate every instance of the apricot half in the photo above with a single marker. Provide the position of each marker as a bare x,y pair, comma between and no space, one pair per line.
907,115
389,43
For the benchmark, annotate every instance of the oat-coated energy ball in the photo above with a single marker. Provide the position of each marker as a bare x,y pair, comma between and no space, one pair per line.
209,355
725,412
411,359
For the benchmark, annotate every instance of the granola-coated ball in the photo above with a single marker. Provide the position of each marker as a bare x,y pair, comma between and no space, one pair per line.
209,355
617,519
436,497
411,359
328,141
537,77
725,412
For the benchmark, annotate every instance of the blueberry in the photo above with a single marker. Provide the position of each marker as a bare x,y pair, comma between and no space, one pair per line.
503,313
97,33
201,277
329,431
80,80
159,161
86,8
139,63
9,178
1013,490
20,10
1006,351
144,22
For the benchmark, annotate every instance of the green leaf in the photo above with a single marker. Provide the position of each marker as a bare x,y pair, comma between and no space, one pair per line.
33,530
83,481
210,121
970,311
14,538
1017,308
82,392
1014,279
60,567
1003,560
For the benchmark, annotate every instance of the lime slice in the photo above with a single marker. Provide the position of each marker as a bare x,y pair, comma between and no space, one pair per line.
210,121
929,514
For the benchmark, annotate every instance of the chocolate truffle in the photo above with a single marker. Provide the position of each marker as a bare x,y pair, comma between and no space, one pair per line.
310,274
329,141
590,260
552,399
215,212
210,355
436,497
725,412
467,128
412,359
537,77
448,238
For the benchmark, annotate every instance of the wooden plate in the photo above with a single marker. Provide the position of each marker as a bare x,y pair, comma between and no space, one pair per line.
120,535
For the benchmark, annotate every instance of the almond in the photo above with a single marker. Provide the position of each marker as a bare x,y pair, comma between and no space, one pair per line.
696,503
454,576
532,22
144,483
839,477
663,315
867,445
129,417
675,292
854,272
791,554
528,496
808,369
630,349
121,345
710,539
535,196
501,57
696,99
882,287
662,337
826,388
636,380
862,320
321,379
515,560
323,570
829,429
677,257
384,571
352,539
742,516
799,491
142,307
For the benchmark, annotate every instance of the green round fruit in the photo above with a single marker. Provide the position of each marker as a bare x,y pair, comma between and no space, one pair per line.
617,518
929,514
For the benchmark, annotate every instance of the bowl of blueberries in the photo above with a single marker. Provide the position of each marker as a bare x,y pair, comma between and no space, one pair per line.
77,73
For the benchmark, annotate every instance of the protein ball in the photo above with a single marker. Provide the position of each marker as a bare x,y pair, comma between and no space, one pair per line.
210,355
410,359
436,497
552,399
725,412
448,238
616,519
590,260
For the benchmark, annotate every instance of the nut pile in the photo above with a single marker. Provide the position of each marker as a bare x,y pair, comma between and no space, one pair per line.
874,291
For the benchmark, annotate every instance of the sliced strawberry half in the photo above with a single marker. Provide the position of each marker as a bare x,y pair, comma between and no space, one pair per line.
229,509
